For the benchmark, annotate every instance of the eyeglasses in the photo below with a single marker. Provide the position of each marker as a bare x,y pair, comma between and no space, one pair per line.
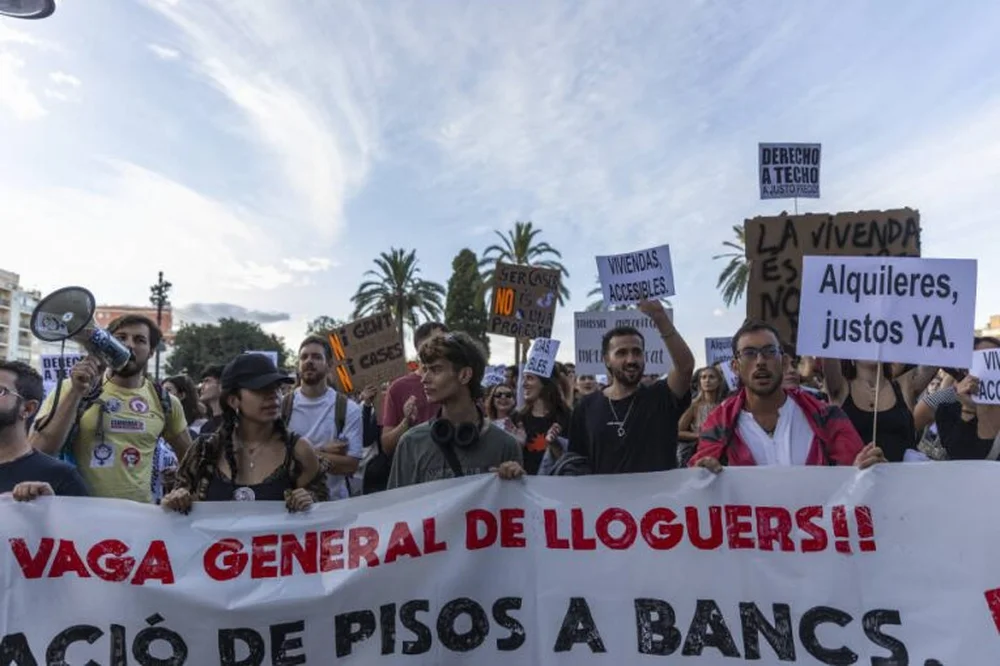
752,353
4,392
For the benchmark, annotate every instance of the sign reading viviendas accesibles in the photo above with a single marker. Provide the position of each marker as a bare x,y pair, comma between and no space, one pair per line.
789,170
895,309
368,351
775,246
632,277
524,301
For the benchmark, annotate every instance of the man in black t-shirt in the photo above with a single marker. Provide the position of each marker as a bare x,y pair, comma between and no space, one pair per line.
25,472
630,427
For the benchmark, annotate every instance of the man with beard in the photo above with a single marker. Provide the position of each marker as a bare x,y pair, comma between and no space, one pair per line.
108,424
767,424
629,426
24,472
328,419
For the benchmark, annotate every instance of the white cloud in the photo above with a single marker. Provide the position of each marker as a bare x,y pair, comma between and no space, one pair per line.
164,52
310,265
64,79
56,95
15,91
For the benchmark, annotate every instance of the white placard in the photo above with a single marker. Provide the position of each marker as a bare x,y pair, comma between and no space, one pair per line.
636,276
986,368
718,350
273,355
50,368
789,170
590,328
809,565
732,379
494,375
542,357
893,309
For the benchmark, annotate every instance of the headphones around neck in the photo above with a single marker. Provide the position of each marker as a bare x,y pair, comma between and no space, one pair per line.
444,432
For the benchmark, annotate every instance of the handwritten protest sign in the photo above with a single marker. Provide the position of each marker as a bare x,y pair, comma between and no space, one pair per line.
51,364
542,357
524,301
398,577
789,170
898,309
494,375
590,328
636,276
986,368
775,247
367,351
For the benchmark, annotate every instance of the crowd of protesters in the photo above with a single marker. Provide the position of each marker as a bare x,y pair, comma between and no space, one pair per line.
248,432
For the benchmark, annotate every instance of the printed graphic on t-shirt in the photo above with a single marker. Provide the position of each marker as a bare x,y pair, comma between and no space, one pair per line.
537,443
244,494
126,425
103,455
113,405
131,457
138,406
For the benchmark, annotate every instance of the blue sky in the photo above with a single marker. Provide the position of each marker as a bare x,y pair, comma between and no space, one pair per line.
263,159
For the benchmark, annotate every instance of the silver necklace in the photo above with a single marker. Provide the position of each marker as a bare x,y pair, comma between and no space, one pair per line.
620,422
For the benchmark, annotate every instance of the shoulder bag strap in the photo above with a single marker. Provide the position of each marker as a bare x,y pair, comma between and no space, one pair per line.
449,455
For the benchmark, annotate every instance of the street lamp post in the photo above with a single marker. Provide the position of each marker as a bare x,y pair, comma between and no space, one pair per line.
159,297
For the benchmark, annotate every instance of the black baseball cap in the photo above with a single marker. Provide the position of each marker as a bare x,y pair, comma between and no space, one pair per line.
252,371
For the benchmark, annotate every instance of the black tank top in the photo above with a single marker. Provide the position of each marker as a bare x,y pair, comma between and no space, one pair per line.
222,489
896,430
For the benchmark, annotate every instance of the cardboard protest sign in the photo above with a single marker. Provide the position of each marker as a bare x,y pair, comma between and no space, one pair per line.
51,365
367,351
542,357
775,247
986,368
894,309
524,301
718,350
629,278
590,328
789,170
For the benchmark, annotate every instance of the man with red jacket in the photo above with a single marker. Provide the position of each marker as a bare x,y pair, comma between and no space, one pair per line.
765,424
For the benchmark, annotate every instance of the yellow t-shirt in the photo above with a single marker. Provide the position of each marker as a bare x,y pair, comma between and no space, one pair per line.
120,464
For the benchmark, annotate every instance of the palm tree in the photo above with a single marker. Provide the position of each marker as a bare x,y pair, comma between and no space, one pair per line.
598,304
396,287
518,246
734,277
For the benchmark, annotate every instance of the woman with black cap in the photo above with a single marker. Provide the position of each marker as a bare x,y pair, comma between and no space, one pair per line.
252,456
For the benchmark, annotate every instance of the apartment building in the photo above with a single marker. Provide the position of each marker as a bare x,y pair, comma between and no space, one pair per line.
992,329
16,306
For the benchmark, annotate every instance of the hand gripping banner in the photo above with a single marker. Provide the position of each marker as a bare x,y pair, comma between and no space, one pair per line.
894,565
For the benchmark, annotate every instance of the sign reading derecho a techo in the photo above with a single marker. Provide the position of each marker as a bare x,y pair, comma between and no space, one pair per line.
789,170
895,309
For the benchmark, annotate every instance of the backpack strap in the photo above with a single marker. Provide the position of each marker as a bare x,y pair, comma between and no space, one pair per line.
287,403
340,414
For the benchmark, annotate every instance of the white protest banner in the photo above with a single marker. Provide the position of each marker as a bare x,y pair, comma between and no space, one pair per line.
542,357
812,565
986,368
51,364
894,309
590,328
273,355
789,170
718,350
635,276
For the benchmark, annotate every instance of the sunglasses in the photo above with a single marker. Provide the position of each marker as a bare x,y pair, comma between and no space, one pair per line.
503,394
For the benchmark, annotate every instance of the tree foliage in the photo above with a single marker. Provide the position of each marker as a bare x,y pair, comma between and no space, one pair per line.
197,346
465,306
396,287
322,325
734,277
520,246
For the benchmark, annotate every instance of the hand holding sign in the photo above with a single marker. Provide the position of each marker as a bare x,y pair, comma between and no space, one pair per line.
542,357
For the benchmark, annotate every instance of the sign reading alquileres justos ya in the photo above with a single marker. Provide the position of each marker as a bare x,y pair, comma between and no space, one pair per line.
769,566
